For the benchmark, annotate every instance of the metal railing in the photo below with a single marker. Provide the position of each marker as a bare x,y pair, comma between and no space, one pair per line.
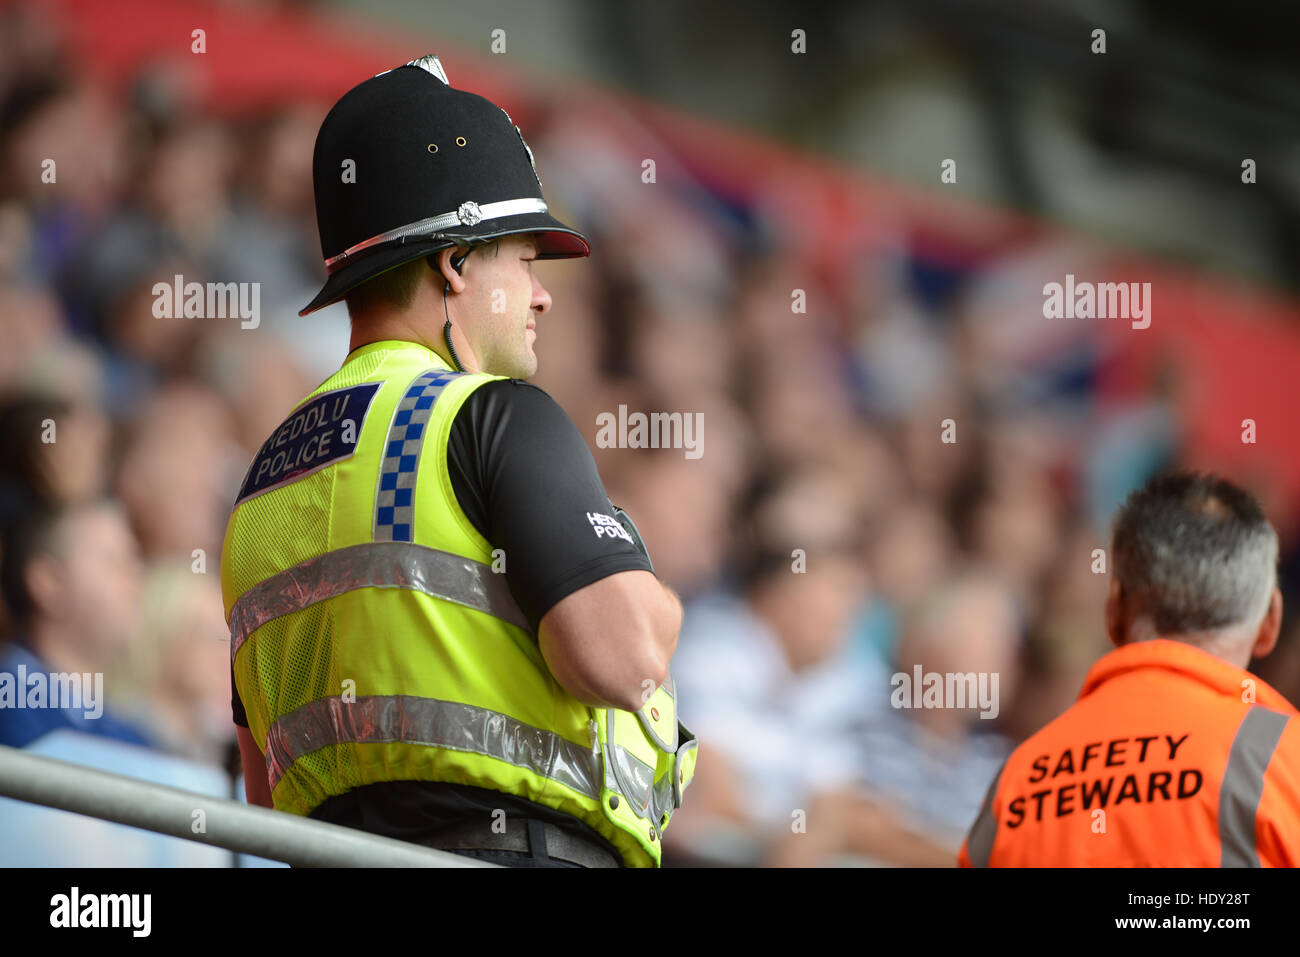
258,831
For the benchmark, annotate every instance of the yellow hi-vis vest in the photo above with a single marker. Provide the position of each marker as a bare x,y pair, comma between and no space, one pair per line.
372,638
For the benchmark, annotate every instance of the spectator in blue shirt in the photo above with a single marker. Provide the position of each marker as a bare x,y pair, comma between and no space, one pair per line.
71,581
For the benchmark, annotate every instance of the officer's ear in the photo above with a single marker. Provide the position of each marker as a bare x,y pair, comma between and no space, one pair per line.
1270,627
448,263
1115,627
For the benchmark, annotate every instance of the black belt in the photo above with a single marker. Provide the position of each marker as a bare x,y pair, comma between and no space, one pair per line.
540,838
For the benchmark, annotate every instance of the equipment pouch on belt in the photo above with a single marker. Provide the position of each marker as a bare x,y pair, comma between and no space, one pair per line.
647,760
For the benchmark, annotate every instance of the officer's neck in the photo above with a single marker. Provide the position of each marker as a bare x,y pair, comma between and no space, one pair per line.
409,325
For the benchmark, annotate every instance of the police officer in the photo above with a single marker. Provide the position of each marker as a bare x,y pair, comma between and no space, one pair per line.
441,628
1174,755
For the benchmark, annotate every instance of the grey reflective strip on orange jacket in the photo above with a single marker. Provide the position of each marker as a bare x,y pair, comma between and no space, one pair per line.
373,565
979,843
1243,785
452,725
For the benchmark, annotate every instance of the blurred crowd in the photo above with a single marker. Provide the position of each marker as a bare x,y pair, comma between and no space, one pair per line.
913,470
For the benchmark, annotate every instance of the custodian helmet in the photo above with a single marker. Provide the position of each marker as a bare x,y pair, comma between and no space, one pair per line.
405,165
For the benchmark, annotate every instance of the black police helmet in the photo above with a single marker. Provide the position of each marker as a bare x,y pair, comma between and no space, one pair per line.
405,165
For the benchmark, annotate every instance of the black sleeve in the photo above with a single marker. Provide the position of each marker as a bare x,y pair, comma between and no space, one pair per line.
526,480
237,706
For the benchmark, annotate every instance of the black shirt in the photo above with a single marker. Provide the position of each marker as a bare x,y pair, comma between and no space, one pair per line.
526,480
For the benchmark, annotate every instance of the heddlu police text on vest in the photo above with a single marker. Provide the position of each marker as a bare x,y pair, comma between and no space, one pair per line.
321,432
1064,798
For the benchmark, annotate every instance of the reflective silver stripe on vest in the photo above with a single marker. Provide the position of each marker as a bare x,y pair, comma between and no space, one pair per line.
979,843
373,565
429,721
677,781
631,777
1243,785
662,801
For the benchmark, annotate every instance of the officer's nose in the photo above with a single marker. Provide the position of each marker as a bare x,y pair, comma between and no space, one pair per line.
541,298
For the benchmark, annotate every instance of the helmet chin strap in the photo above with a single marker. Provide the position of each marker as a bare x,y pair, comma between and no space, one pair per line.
456,263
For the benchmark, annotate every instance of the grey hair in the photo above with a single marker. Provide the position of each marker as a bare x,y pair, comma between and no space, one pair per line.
1193,553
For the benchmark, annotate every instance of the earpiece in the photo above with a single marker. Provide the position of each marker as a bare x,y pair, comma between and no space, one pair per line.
456,263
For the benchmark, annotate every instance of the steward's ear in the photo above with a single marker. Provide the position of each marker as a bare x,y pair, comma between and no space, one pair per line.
1270,627
1115,614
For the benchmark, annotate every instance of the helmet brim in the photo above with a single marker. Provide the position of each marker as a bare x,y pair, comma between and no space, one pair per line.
555,240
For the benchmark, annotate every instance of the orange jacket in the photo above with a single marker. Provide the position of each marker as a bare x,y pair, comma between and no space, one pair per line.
1166,760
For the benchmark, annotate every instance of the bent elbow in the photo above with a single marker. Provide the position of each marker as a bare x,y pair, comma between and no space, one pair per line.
652,669
656,671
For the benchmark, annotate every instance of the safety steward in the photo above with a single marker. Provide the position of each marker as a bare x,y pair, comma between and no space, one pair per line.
1174,755
441,628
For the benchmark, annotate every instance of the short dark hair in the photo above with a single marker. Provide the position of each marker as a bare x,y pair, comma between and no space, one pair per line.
34,532
396,286
25,463
1193,552
393,287
764,549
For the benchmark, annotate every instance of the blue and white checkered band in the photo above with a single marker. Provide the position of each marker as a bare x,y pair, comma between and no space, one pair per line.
395,494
